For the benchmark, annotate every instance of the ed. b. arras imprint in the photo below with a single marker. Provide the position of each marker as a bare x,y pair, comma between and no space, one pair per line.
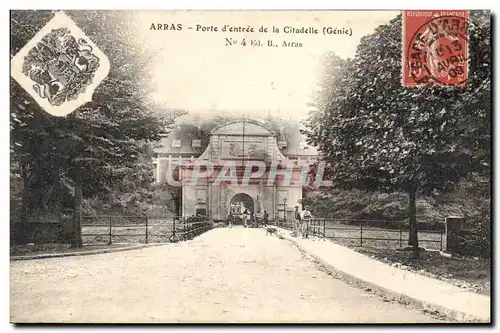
60,67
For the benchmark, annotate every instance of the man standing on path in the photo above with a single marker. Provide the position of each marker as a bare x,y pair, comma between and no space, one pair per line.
266,218
296,221
245,218
306,222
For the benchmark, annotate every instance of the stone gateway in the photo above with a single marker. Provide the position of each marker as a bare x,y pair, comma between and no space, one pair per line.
242,167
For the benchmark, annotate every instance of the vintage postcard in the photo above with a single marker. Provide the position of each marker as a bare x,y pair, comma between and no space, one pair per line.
250,166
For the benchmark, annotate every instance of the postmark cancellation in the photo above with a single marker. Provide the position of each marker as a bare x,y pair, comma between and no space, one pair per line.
435,47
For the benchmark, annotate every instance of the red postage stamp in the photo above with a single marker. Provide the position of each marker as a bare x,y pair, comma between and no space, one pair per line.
435,47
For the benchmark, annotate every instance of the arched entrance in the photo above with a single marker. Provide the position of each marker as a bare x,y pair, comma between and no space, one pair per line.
240,202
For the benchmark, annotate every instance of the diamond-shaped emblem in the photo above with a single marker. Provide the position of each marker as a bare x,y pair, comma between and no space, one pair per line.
60,67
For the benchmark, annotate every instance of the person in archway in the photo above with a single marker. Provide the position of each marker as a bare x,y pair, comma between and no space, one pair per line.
306,222
297,218
265,218
244,216
253,219
230,219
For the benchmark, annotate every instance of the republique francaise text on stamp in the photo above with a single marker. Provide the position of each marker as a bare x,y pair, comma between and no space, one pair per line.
435,47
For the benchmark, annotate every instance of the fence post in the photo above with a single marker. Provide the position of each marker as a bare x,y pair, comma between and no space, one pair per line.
173,229
361,229
324,227
400,236
454,224
146,229
110,231
441,242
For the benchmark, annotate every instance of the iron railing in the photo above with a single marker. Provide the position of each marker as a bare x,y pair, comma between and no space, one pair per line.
142,229
370,231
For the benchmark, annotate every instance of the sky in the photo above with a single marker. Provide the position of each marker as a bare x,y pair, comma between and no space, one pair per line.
198,72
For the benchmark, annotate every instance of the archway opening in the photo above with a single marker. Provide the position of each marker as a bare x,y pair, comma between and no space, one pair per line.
241,202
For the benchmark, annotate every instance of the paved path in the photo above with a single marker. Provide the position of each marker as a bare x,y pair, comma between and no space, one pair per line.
225,275
422,291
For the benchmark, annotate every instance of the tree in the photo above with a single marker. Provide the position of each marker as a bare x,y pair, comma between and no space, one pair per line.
91,151
379,135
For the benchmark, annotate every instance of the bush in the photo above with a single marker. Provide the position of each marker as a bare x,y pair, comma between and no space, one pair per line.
476,242
356,204
470,199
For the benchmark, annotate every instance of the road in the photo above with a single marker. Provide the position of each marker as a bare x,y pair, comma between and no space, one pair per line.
225,275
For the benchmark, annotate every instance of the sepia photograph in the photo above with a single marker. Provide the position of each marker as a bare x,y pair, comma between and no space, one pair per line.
250,166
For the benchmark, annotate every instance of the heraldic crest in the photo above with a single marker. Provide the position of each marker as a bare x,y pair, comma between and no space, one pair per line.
61,66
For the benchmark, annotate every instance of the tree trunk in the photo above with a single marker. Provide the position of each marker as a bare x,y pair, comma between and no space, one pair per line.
21,238
25,188
77,218
177,202
412,212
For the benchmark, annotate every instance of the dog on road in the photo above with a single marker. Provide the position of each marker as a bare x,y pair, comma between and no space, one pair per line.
271,230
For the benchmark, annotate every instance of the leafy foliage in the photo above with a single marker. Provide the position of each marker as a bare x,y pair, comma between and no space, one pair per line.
379,135
471,199
106,145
